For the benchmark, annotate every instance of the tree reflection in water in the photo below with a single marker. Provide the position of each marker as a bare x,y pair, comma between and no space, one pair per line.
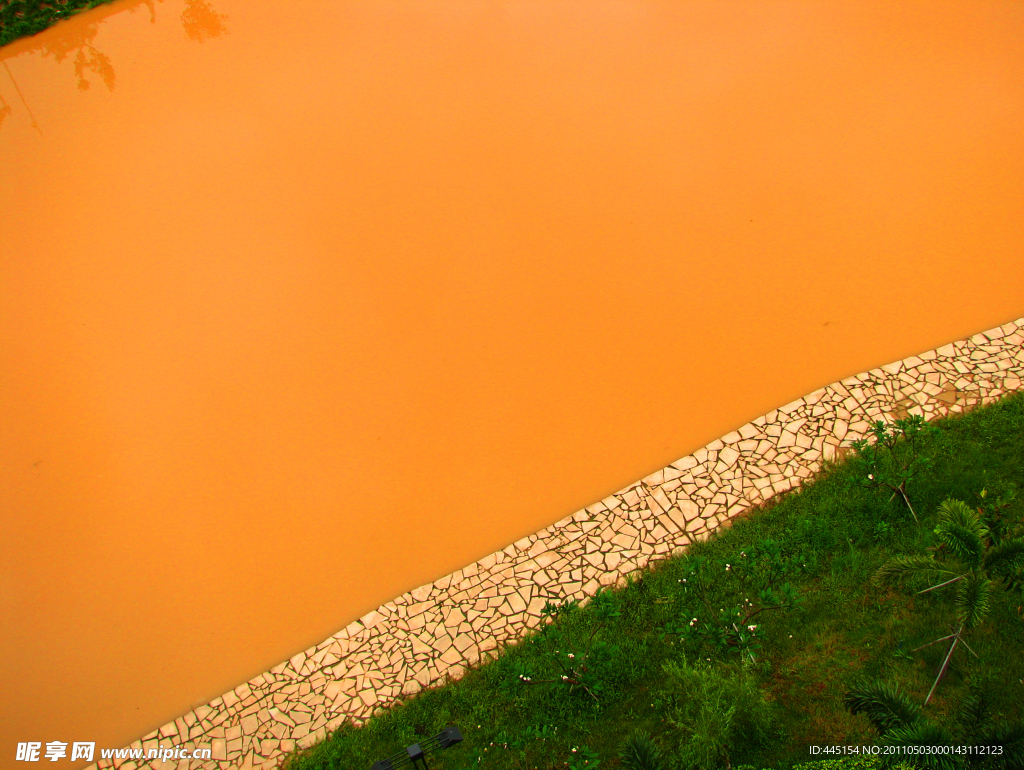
75,36
201,21
98,63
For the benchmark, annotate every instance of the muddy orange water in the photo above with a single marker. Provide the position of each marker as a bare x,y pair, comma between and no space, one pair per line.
304,305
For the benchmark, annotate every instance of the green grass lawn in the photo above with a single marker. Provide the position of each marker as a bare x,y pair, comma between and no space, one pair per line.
707,704
19,18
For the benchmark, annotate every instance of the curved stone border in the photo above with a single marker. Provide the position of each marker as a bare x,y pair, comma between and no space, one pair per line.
437,630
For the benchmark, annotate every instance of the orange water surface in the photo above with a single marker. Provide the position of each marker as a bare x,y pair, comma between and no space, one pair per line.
303,305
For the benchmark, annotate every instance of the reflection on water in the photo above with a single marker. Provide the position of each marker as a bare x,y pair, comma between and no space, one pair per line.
201,21
5,109
87,58
77,36
21,96
152,10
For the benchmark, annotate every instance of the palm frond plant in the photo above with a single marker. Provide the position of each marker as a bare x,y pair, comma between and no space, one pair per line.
975,567
885,706
925,733
640,752
990,744
899,720
1003,748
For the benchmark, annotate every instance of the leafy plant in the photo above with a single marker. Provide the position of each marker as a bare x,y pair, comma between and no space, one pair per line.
882,531
713,709
985,742
925,733
760,573
540,732
903,461
576,669
640,752
977,565
992,508
979,728
899,720
583,758
1003,537
884,705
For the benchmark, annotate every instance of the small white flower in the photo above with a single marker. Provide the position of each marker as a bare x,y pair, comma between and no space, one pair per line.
571,655
728,567
752,628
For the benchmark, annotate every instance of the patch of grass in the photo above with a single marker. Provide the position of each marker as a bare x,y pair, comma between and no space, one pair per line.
644,675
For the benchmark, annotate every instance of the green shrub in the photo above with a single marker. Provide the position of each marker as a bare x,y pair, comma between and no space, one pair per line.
712,710
640,752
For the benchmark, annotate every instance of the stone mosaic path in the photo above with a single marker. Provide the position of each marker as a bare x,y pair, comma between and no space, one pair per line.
437,630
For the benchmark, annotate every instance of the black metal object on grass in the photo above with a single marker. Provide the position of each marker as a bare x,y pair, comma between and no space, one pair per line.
416,754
